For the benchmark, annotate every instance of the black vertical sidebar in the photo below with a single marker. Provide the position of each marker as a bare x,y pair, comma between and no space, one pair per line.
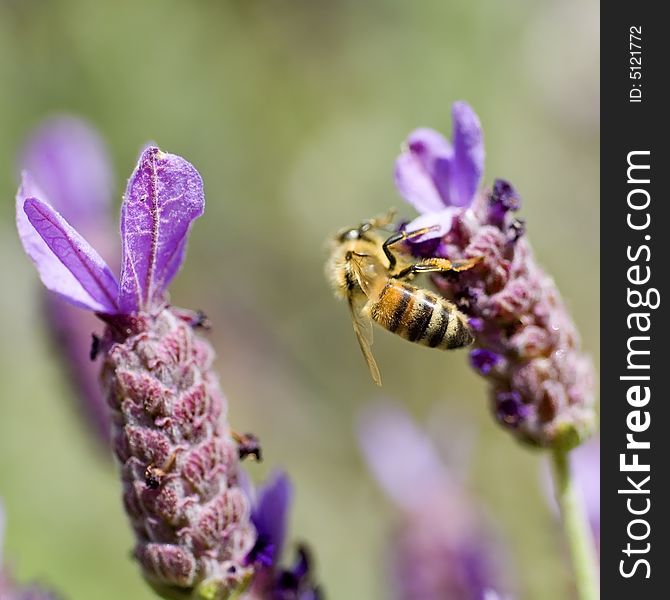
635,270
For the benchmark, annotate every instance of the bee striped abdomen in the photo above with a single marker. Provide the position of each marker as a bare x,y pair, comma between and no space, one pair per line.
420,316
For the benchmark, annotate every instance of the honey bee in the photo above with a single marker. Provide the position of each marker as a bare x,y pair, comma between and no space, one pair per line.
364,269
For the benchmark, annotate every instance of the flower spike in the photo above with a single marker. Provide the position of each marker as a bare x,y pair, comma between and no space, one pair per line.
527,345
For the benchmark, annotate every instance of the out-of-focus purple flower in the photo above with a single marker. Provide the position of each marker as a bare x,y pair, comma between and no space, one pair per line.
70,163
270,517
585,468
179,461
483,360
541,382
493,595
69,160
510,408
9,589
439,178
585,462
440,550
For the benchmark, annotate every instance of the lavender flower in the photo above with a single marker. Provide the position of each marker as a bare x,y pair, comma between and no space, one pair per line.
69,161
9,589
527,345
270,517
440,550
179,462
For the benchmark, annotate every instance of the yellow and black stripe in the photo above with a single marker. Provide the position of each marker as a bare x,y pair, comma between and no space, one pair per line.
420,316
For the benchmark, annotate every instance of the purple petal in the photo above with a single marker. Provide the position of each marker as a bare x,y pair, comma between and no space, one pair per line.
420,167
442,220
503,198
585,464
510,409
67,264
484,360
70,160
270,517
467,167
401,456
164,196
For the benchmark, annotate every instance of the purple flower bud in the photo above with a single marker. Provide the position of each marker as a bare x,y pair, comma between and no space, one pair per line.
484,360
476,324
503,199
510,409
441,547
515,311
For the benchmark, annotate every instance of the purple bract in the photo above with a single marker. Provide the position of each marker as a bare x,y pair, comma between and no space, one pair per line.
164,196
69,161
439,178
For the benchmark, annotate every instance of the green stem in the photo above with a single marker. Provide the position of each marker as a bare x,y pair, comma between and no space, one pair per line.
577,530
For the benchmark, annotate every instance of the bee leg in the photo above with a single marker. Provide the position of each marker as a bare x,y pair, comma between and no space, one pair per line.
401,236
438,265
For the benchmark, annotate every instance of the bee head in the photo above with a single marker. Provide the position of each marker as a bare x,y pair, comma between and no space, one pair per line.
356,233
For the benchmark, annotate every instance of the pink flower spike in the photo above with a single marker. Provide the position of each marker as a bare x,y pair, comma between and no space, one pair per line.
66,262
163,198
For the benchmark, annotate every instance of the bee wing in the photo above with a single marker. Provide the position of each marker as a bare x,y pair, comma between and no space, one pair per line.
358,264
363,331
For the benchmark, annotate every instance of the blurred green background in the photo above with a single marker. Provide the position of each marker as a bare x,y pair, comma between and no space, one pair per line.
293,111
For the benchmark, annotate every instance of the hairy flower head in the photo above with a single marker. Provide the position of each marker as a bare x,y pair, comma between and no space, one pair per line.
198,533
527,346
179,461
